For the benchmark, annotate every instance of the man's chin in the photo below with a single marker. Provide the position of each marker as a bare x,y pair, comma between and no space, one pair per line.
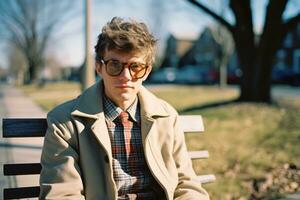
125,96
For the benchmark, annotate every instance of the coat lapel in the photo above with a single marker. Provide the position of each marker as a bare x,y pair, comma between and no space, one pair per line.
146,125
100,131
151,109
89,110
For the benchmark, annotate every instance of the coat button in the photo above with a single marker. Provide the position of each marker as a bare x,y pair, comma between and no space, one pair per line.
106,159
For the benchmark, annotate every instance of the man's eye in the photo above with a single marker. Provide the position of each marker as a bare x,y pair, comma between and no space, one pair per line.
114,63
136,67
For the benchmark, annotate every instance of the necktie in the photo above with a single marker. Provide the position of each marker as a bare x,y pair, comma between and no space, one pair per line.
127,126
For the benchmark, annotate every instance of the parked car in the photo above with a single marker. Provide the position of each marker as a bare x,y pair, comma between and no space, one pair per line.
189,74
283,76
296,79
164,75
234,76
196,75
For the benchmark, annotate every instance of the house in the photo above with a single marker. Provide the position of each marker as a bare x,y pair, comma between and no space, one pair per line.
286,68
203,53
175,49
189,60
183,52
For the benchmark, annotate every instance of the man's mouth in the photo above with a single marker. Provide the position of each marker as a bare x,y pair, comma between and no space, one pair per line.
123,86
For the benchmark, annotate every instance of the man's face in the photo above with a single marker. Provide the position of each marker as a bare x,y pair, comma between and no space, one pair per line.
121,88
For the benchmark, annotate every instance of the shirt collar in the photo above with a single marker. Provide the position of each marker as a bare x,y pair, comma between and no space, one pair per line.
111,111
90,104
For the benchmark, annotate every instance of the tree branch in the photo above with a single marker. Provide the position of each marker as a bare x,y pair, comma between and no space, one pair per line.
292,22
213,15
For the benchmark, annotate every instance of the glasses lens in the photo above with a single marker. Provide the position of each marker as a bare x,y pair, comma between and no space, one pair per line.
114,67
137,70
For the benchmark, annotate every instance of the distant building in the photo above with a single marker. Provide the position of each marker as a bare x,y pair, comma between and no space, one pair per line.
175,49
186,52
288,56
203,53
286,68
189,60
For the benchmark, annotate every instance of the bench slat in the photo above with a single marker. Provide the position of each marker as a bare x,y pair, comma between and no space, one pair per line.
206,178
36,127
21,169
21,192
198,154
19,127
191,123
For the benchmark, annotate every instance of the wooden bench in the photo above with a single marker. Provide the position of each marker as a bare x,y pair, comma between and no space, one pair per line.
13,128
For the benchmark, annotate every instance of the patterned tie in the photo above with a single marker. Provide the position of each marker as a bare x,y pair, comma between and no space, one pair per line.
127,126
134,171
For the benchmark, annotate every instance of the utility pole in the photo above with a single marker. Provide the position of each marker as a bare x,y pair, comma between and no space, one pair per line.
222,52
88,69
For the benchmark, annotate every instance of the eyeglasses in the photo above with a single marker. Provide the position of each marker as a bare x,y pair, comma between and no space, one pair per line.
115,68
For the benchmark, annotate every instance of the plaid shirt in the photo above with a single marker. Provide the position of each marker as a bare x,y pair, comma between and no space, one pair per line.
133,179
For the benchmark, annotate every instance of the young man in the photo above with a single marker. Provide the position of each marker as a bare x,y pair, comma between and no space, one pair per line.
117,140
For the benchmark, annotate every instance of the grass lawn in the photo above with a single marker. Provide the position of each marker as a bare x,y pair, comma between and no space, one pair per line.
245,140
52,94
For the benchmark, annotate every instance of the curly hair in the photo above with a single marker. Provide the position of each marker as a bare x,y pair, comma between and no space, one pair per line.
126,36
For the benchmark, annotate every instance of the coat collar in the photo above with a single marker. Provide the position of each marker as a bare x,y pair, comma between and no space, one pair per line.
90,103
151,106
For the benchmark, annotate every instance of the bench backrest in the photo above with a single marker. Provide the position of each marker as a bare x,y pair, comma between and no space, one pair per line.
13,128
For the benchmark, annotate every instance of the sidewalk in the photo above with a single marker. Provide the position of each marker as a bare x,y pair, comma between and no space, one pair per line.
14,104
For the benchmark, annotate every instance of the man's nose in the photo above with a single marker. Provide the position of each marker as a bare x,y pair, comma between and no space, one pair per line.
126,73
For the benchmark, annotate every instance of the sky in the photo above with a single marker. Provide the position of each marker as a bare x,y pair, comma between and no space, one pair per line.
178,19
174,16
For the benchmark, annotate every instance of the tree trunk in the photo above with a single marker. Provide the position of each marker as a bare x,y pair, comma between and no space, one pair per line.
33,69
243,36
256,57
246,59
223,74
270,41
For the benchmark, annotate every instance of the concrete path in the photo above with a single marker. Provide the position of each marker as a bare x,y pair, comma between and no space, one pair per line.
14,104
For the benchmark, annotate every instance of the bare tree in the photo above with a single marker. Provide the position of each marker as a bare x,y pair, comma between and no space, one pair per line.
29,25
159,18
255,57
17,64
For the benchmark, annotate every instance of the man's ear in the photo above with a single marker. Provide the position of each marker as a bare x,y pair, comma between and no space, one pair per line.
149,69
98,68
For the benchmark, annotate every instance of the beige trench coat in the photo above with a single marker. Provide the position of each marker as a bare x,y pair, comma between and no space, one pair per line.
77,158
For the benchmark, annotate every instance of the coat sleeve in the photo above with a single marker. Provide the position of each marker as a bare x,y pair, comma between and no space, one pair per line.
188,187
60,176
